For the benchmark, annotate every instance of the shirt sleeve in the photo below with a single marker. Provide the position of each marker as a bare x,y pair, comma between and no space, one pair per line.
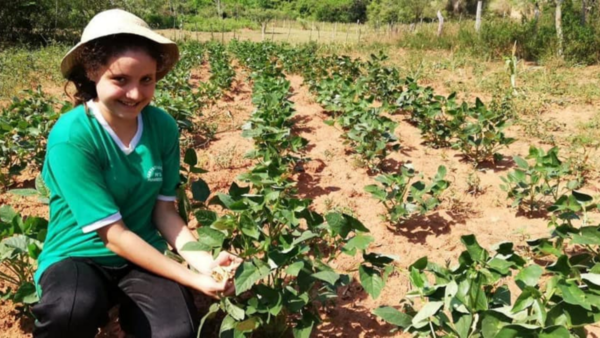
78,180
170,160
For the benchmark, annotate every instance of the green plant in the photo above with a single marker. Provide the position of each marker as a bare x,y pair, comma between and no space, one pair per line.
461,301
24,128
286,247
438,118
41,191
482,134
370,135
533,186
21,242
401,199
199,188
285,278
473,299
222,73
175,94
384,82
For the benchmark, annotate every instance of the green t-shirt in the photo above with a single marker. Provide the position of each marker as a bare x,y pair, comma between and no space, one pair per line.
94,181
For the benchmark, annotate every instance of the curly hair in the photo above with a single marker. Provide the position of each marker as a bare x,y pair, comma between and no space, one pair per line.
95,54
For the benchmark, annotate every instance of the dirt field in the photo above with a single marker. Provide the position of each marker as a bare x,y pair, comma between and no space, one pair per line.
334,180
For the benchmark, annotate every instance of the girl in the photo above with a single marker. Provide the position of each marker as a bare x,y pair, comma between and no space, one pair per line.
112,167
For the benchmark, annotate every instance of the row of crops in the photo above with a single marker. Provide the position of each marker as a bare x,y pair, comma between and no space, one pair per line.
551,288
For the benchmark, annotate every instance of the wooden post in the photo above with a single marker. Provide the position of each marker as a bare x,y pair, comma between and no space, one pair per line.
558,25
196,28
441,24
318,32
478,15
273,33
347,32
212,36
289,32
358,27
334,31
223,32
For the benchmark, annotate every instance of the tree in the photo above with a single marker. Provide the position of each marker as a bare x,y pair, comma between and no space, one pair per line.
384,11
391,11
43,20
262,17
558,25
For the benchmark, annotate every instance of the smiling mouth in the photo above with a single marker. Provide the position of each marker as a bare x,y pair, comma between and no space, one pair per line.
129,104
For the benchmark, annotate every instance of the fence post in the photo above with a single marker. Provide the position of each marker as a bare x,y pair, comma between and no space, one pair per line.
318,32
334,31
441,24
273,33
478,16
358,27
347,32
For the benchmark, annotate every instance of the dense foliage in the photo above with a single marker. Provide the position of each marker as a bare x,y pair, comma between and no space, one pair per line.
21,242
536,37
24,127
557,289
287,279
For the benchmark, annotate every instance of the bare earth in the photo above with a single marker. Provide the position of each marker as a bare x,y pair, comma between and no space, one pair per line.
334,180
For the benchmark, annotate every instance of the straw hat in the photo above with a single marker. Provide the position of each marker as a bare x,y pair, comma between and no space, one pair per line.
116,21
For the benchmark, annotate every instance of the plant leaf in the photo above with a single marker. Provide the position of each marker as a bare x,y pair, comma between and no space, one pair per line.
247,275
200,190
233,310
371,280
529,276
205,217
393,316
428,310
327,276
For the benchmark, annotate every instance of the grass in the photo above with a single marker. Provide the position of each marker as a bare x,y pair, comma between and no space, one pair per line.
24,68
201,24
588,134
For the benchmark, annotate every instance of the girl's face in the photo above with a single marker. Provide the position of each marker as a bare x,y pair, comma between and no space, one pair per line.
126,85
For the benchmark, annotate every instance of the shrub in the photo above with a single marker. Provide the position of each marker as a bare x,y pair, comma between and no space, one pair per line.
158,21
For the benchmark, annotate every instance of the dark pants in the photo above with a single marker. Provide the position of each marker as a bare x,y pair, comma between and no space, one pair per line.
77,295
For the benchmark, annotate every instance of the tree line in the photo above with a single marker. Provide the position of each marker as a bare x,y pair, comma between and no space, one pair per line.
536,23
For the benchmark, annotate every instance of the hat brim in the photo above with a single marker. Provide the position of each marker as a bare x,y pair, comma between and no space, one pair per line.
168,47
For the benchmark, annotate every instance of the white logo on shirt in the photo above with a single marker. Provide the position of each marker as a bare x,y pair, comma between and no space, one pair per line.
155,174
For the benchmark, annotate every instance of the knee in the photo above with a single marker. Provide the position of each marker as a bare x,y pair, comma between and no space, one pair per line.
179,330
71,315
88,305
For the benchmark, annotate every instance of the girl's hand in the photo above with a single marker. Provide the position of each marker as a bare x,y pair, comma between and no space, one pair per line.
205,264
211,287
227,260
